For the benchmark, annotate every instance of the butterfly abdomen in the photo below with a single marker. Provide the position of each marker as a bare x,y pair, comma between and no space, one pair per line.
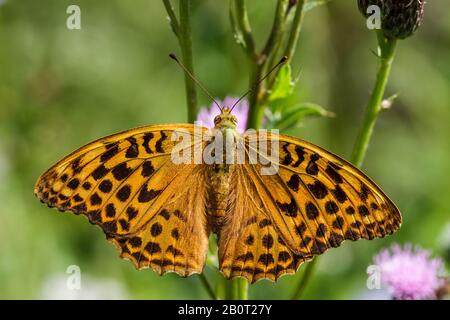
219,176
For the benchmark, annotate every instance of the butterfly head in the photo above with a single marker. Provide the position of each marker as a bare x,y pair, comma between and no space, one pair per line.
225,119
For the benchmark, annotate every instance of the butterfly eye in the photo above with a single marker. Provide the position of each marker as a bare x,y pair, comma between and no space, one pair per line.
216,119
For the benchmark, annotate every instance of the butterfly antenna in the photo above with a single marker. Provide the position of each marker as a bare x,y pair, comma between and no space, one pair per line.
282,61
198,83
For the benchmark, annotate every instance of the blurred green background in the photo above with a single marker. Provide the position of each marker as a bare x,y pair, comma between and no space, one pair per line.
60,89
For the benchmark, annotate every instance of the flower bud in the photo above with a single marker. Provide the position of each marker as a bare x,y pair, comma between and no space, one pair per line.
399,18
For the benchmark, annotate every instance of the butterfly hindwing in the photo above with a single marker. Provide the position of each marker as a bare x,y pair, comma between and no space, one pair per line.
175,239
249,244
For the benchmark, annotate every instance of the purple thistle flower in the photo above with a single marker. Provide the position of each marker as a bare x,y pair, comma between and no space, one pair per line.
409,273
206,115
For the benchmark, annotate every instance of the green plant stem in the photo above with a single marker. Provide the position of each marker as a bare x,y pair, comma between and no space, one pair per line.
239,289
259,61
182,30
221,287
387,48
387,53
245,28
256,111
277,28
185,40
207,286
296,29
172,18
304,280
243,23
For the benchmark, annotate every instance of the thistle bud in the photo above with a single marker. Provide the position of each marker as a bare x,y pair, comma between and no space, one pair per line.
399,18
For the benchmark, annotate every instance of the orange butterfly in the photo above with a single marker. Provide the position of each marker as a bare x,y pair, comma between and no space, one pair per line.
160,212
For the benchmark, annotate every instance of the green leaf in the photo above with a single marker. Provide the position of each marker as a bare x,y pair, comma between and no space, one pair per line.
283,86
296,114
309,5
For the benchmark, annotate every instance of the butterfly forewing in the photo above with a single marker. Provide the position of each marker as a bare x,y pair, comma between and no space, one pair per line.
315,201
146,204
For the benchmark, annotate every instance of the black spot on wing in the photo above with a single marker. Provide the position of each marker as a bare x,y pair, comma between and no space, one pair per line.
321,231
152,247
131,213
339,194
86,185
156,229
158,145
133,149
350,210
300,229
77,198
95,199
135,242
338,223
99,172
333,174
287,158
76,165
73,184
311,211
245,257
363,211
250,240
147,169
331,207
364,193
265,222
318,189
312,168
175,234
105,186
124,193
111,151
294,182
289,209
145,195
165,214
124,224
266,259
300,156
110,210
318,247
121,171
146,143
284,256
267,241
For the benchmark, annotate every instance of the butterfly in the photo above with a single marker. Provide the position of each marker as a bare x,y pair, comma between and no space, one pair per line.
159,213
